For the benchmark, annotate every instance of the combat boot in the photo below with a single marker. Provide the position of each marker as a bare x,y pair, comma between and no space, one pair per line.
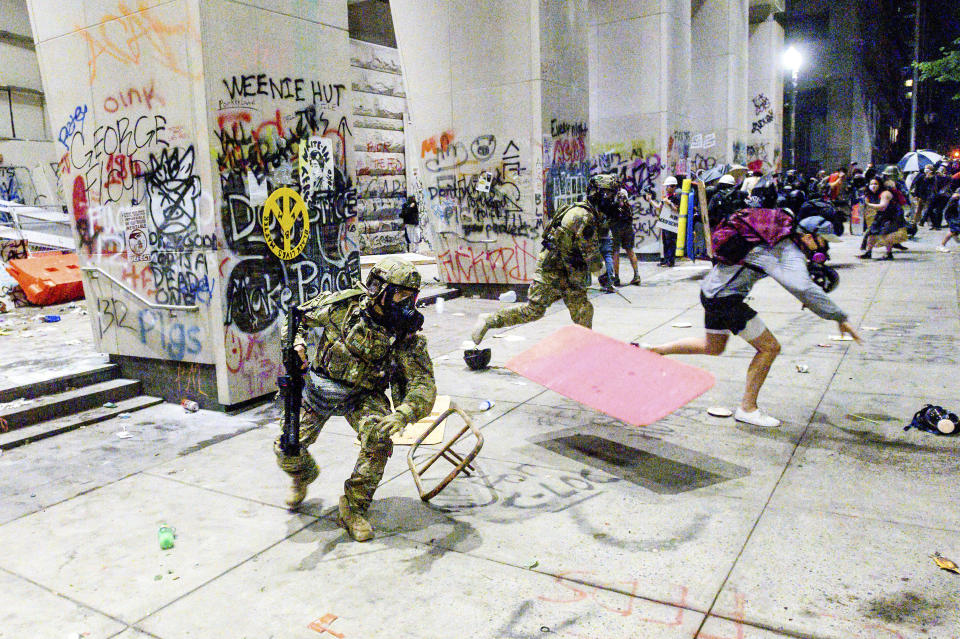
298,492
353,522
480,328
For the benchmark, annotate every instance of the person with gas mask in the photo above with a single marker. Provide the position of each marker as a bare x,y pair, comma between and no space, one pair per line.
748,246
570,253
363,340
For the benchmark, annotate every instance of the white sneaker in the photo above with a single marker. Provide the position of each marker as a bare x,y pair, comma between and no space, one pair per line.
943,249
756,418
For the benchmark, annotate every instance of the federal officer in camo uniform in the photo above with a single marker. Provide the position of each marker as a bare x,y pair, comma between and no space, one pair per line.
366,340
571,252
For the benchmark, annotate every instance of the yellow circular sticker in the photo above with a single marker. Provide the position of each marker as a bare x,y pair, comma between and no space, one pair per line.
287,207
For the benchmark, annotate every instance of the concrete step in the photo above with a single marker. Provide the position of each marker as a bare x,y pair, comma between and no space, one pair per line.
53,427
60,384
67,402
430,294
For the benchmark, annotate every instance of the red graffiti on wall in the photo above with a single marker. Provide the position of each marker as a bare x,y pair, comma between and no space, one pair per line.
480,265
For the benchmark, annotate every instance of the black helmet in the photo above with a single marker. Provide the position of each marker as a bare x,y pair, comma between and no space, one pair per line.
477,358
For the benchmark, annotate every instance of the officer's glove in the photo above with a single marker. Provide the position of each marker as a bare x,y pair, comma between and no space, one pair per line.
389,425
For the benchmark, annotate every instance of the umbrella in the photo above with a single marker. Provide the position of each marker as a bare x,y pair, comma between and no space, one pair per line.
916,160
709,175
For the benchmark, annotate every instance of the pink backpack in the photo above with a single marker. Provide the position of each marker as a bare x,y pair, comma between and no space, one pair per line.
736,235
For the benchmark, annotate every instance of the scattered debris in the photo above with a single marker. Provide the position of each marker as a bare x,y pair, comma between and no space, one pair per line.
439,305
682,325
841,338
166,535
124,434
825,345
509,297
190,406
484,405
533,565
944,564
803,368
110,405
507,337
50,319
866,419
123,416
869,328
719,411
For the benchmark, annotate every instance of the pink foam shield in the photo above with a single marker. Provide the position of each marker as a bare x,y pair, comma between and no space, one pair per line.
625,382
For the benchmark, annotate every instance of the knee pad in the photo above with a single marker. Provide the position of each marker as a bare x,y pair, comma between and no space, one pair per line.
302,465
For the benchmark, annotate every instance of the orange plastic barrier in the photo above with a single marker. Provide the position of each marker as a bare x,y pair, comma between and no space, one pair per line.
48,278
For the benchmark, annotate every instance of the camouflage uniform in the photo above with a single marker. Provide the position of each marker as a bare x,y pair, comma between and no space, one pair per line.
563,272
356,354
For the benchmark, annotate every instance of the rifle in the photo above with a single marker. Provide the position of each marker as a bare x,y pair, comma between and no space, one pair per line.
291,387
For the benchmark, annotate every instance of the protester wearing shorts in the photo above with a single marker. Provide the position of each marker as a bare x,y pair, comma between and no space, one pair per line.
723,292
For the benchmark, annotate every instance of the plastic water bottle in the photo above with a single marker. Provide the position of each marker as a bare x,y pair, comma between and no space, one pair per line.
165,536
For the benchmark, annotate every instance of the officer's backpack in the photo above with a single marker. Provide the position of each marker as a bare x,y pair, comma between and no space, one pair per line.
547,237
737,234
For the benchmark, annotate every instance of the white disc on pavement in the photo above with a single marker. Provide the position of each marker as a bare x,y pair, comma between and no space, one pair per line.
719,411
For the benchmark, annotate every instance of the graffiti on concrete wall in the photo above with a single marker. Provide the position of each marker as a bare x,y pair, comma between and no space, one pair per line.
762,112
640,168
477,190
566,165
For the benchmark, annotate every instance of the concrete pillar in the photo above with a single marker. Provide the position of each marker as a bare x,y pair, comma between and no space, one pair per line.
497,93
177,120
762,150
719,102
639,95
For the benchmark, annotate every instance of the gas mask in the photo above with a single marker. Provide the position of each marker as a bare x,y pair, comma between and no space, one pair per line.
817,252
402,318
935,419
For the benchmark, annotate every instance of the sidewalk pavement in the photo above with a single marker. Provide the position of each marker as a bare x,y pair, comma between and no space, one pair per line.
576,525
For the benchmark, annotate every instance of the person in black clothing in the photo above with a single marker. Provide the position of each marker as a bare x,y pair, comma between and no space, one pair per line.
725,201
411,223
939,198
923,189
881,197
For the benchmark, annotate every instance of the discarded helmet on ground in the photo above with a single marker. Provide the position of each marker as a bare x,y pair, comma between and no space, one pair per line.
476,358
935,419
672,181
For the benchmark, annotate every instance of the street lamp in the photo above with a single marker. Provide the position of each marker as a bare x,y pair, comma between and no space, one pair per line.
792,60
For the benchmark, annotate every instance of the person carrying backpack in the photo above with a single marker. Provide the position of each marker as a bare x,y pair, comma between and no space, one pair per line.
570,254
748,246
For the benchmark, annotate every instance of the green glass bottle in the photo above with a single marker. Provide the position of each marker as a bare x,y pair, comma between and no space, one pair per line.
165,535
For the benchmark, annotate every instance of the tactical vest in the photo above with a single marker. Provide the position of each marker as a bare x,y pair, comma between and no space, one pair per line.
352,350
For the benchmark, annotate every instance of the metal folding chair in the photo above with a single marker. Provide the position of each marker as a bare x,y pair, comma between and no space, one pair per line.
461,464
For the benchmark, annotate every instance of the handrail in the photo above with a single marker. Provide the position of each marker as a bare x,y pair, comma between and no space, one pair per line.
95,271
